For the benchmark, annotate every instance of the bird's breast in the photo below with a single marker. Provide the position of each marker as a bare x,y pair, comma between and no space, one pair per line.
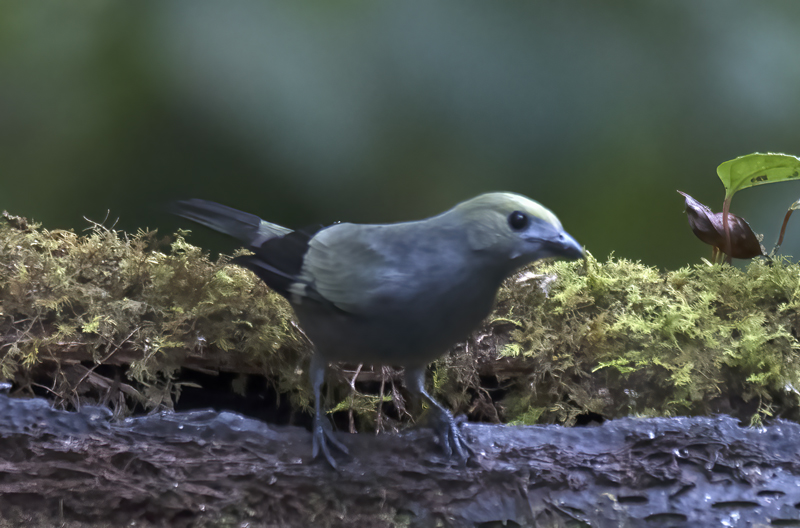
399,330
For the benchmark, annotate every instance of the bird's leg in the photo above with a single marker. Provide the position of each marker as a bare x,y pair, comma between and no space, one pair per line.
323,432
442,420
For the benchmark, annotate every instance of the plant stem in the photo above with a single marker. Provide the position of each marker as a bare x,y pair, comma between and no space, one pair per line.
726,207
783,231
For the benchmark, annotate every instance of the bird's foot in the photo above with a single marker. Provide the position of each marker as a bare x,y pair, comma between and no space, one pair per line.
322,436
450,436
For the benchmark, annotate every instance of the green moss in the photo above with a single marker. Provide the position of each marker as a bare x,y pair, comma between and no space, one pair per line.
111,298
687,341
566,338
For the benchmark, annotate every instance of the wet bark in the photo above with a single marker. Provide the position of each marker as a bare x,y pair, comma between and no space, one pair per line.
220,469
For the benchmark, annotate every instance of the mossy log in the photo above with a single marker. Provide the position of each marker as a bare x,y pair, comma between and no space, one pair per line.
132,323
112,319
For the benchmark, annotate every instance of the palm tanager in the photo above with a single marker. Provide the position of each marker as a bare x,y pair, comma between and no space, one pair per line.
398,294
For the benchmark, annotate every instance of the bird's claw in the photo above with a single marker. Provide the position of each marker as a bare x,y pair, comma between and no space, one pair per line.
450,436
323,434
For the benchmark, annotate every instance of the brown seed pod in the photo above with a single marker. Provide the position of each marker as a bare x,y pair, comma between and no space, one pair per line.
707,225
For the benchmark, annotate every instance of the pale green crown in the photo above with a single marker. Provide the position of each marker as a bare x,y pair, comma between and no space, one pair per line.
505,203
486,219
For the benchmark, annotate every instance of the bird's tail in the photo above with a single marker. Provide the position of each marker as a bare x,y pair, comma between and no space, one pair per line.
248,228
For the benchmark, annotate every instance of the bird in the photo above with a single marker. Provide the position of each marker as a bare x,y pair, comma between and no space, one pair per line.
398,294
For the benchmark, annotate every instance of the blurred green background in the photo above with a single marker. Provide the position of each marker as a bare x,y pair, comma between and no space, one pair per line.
314,112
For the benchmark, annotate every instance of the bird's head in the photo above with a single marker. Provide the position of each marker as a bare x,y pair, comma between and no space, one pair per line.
516,228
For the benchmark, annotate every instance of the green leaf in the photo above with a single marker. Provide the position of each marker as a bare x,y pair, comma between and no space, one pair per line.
757,169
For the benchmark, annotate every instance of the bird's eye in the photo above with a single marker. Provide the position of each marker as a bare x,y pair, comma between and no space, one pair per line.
518,220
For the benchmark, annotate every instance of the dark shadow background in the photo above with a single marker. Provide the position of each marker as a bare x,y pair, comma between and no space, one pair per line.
313,112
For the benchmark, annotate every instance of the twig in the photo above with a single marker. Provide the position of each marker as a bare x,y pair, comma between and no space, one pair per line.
352,383
106,358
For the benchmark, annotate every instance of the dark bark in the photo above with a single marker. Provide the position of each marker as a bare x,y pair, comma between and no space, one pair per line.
220,469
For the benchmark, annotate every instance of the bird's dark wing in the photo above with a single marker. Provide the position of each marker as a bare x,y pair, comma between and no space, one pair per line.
279,261
278,251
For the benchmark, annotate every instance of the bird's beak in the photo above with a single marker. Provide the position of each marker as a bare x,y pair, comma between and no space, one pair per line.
563,245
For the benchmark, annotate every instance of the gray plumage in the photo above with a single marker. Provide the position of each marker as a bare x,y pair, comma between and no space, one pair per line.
398,294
